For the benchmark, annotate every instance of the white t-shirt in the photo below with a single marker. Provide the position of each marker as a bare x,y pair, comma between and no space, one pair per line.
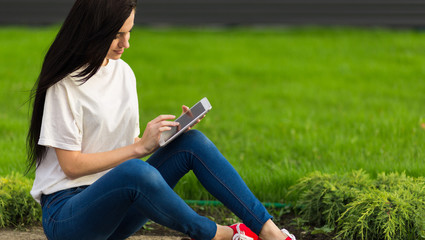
97,116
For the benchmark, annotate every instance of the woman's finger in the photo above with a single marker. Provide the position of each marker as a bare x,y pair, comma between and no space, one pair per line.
163,129
168,124
163,117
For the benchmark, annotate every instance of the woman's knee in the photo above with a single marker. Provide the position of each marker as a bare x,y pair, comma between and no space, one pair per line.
140,173
197,138
193,133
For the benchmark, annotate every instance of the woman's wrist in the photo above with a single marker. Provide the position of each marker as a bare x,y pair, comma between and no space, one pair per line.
140,150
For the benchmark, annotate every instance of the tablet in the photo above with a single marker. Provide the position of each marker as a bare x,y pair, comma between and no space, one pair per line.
186,120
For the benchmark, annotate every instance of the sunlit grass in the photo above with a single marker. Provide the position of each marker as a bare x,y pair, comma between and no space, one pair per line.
285,102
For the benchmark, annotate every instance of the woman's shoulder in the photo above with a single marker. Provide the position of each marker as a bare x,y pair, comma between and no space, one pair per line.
71,80
123,64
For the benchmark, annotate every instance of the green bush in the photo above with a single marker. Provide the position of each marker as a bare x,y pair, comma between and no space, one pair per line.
17,207
379,214
392,206
393,209
322,198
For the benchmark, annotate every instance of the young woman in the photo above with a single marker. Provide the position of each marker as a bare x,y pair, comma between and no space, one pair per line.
83,140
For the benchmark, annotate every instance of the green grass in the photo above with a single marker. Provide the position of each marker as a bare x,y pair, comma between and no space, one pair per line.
285,101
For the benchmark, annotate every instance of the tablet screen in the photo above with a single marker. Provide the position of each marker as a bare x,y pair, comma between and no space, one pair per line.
195,112
190,115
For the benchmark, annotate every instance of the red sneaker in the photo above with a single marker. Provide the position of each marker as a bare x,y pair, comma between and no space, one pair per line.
242,232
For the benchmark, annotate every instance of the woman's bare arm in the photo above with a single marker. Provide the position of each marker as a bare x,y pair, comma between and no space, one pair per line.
76,164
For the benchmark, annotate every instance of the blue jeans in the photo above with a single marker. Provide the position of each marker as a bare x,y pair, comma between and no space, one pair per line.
122,201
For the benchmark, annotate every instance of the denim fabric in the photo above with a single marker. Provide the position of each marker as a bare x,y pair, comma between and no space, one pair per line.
120,202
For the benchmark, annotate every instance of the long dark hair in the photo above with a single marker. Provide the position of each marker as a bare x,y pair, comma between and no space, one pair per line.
82,43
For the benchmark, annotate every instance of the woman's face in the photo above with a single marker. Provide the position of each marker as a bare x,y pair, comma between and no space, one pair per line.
121,41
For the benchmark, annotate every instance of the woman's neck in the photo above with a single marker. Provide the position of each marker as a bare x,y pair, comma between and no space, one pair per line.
105,62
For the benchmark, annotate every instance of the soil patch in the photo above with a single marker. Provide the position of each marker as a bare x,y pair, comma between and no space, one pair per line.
157,232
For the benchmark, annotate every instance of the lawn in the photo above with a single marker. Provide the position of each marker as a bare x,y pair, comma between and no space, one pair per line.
286,101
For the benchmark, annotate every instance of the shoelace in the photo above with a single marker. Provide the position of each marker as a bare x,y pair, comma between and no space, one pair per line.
291,236
240,235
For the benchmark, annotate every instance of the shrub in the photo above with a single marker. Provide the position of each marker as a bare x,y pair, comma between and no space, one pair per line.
17,207
394,181
379,214
322,198
394,209
392,206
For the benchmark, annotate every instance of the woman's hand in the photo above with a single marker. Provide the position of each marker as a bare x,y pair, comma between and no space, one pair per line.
149,142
